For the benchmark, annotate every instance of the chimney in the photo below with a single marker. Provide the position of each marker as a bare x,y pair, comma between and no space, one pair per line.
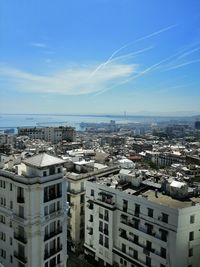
156,193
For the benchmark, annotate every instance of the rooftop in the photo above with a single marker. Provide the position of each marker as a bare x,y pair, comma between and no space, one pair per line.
43,160
168,201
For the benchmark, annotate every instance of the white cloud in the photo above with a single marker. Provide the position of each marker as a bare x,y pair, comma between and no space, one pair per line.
69,81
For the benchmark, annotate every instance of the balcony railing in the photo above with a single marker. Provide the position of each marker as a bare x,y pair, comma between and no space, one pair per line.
20,257
52,234
20,199
20,238
51,252
52,196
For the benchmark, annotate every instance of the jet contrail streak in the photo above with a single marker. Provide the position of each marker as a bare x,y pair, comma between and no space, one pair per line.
131,43
183,64
152,67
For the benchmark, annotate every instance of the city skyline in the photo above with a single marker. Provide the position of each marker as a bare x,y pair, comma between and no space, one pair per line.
100,57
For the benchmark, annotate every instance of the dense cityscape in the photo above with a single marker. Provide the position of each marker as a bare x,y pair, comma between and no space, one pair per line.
99,133
110,195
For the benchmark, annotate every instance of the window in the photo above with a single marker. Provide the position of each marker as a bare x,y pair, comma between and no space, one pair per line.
191,236
3,253
106,229
91,218
44,173
148,261
148,245
10,187
59,170
137,210
106,215
2,236
92,192
58,259
123,248
190,252
163,252
136,224
11,205
163,235
150,212
11,258
2,219
46,208
101,239
162,265
136,239
135,254
106,242
100,226
192,219
165,217
125,205
149,229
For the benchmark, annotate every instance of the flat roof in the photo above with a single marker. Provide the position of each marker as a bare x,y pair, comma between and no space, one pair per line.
168,201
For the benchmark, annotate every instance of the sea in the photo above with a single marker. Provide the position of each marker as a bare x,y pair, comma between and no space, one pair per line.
12,121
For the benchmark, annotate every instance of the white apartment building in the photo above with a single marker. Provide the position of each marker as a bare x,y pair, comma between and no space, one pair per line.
33,214
126,226
76,199
7,139
49,134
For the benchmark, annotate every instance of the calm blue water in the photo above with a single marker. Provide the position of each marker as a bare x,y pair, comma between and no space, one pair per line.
25,120
14,121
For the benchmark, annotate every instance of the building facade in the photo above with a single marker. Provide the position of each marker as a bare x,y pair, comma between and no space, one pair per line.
76,199
139,228
33,214
49,134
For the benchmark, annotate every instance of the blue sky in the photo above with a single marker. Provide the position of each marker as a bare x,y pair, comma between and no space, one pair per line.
100,56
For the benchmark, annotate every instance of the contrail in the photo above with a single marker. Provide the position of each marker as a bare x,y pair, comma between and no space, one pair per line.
131,43
183,64
189,52
152,67
131,54
119,58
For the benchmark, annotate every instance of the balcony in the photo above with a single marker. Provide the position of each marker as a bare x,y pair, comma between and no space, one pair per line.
106,199
52,196
52,234
52,252
20,199
20,238
20,257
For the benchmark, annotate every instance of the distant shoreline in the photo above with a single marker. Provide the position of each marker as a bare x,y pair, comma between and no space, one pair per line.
101,115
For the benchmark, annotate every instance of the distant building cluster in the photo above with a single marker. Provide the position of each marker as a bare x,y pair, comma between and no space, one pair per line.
49,134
